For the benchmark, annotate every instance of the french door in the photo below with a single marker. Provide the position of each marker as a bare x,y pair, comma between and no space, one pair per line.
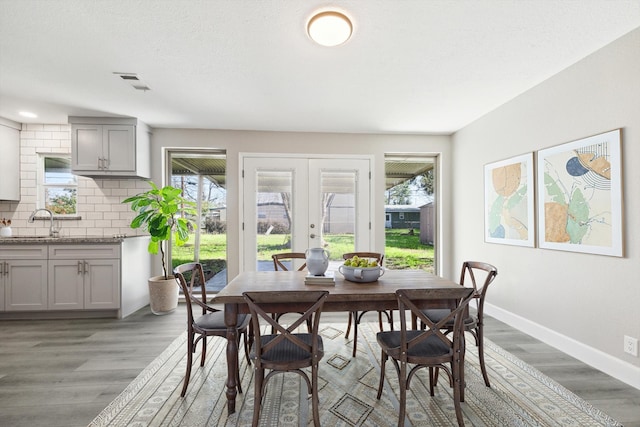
291,204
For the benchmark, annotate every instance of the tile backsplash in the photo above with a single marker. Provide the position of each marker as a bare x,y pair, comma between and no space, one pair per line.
100,211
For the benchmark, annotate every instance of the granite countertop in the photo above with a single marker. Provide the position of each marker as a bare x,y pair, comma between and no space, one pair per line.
66,239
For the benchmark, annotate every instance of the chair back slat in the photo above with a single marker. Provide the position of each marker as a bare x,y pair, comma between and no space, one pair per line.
279,258
481,275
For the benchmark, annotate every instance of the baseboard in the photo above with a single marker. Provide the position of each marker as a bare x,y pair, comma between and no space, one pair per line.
604,362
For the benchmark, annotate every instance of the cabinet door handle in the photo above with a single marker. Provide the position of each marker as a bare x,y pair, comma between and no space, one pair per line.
1,268
86,267
6,268
80,267
106,163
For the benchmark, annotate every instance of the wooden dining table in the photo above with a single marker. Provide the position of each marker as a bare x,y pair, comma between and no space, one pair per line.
343,296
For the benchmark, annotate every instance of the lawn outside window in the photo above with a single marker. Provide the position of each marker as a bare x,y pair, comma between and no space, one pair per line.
57,185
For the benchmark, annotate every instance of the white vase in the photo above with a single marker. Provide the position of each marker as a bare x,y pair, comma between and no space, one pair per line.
5,232
317,261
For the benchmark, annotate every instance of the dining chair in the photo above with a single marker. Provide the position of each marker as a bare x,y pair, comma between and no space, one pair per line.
279,259
285,350
354,316
480,275
426,348
208,322
279,265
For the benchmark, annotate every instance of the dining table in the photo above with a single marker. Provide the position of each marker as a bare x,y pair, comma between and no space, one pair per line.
343,296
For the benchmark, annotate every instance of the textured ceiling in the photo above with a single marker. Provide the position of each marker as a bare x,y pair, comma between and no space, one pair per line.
412,66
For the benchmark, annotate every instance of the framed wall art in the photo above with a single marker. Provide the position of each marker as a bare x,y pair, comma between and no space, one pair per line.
509,201
580,195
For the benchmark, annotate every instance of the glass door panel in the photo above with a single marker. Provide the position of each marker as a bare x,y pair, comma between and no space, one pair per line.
304,203
201,175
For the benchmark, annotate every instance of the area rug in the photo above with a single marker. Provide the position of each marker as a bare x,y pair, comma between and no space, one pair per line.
519,394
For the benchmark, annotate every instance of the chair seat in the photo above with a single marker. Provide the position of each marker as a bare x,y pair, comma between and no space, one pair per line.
429,347
215,320
285,350
437,314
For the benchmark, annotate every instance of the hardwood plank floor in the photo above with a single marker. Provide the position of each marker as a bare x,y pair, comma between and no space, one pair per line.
64,372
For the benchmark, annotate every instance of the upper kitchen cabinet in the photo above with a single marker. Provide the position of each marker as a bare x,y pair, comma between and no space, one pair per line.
109,147
10,159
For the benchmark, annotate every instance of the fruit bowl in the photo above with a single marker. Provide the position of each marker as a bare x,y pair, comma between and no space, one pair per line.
361,274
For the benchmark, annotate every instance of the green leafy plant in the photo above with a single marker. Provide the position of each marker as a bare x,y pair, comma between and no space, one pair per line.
163,213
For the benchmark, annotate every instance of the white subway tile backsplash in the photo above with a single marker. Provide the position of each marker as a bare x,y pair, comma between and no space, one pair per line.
99,201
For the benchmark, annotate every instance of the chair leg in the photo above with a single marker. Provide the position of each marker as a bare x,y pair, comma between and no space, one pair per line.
246,347
204,350
315,400
355,335
480,338
380,320
257,398
187,375
433,379
383,362
457,396
352,316
402,377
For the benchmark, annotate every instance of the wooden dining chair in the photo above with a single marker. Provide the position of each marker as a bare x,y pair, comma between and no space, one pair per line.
279,265
280,259
354,316
476,275
208,322
285,350
427,348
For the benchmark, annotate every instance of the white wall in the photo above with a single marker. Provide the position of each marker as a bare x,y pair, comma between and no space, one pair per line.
236,142
581,303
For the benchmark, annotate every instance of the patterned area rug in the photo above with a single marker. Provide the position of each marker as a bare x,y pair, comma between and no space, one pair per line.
519,394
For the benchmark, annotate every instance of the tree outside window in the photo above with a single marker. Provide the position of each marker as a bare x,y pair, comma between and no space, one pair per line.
58,187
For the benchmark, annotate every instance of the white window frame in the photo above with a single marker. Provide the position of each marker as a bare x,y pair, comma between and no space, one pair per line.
41,186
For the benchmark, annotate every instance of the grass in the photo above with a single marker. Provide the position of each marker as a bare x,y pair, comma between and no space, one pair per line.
403,250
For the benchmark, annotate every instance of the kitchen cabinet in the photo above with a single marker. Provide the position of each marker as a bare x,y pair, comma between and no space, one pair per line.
109,147
23,277
84,277
46,277
10,160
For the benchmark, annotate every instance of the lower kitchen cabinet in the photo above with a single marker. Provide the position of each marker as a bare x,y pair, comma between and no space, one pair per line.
73,277
84,277
23,278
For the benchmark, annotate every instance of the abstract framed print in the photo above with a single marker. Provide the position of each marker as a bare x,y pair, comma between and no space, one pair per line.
509,201
580,195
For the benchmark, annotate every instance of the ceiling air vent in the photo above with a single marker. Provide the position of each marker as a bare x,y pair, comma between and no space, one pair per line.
134,81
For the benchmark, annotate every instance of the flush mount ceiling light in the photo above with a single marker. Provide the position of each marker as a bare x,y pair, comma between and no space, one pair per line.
28,114
329,28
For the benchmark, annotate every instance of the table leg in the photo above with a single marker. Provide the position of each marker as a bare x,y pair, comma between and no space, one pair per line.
231,319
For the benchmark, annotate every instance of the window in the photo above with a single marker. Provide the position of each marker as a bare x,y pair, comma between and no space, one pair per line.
57,186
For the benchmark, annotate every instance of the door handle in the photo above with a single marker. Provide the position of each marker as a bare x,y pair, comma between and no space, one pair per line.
313,236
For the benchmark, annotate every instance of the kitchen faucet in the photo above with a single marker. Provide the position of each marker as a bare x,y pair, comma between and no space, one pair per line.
33,216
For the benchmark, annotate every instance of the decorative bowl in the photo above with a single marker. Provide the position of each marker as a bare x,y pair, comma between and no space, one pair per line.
361,274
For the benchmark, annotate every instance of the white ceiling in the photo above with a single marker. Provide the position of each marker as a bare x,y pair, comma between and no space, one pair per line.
412,66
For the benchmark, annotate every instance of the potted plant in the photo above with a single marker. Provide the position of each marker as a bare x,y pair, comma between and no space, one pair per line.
162,213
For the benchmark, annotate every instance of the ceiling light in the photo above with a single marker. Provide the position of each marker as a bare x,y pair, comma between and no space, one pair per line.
329,28
28,114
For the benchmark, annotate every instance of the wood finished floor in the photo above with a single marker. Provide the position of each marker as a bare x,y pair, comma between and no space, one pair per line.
64,372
